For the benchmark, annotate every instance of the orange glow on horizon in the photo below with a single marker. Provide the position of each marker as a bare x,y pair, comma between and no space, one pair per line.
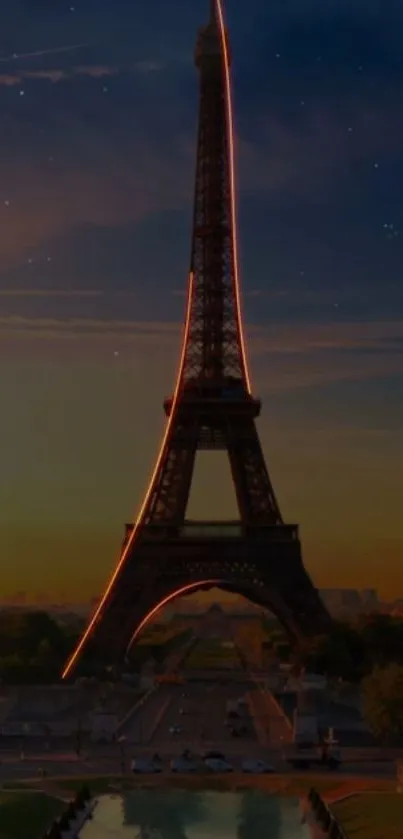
234,214
84,638
164,602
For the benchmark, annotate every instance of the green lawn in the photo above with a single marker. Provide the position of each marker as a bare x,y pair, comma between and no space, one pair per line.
371,815
27,815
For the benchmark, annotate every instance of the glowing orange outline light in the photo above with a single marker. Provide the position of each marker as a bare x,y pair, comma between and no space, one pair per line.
230,137
167,600
84,638
231,145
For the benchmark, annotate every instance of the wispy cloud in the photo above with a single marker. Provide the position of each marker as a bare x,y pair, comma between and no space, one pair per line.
327,140
94,71
148,66
288,338
284,373
292,355
318,337
84,327
15,57
343,432
55,75
38,292
36,214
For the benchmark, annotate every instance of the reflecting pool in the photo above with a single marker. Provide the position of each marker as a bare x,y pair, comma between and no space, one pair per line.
186,814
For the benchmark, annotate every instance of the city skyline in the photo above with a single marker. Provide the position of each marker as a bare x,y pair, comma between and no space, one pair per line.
96,217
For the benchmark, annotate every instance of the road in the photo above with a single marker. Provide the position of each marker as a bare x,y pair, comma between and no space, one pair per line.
272,726
202,723
202,726
147,731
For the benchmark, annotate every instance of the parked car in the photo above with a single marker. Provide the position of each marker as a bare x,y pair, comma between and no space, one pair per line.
257,767
184,765
216,764
146,766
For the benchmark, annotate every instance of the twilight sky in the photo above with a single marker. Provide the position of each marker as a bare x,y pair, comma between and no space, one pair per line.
98,103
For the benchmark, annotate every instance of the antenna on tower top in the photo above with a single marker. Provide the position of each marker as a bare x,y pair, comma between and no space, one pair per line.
213,12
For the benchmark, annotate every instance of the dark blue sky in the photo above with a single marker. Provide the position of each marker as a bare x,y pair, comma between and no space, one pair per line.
317,90
99,107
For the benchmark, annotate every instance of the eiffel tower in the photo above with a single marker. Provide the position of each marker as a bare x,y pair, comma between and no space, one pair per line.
212,407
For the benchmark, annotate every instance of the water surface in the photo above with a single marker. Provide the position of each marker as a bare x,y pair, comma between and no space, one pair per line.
186,814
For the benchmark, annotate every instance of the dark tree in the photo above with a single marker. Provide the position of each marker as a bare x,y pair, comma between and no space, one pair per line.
383,702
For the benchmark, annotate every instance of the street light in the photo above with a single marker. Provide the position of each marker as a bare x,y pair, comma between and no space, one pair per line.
78,738
122,745
26,729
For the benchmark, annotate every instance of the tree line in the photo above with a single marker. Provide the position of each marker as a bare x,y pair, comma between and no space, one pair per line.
370,653
351,650
34,647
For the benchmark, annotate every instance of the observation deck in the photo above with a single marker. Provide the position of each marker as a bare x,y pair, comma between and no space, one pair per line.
213,401
215,531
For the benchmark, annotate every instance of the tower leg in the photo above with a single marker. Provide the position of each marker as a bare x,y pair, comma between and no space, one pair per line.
255,495
269,572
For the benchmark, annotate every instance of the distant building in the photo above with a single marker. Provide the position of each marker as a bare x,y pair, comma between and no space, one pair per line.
307,682
350,601
394,609
215,623
369,598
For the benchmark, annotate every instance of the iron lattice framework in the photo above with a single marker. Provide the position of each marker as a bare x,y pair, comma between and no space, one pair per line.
212,408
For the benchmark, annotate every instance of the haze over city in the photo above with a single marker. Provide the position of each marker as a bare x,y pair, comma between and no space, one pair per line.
97,162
